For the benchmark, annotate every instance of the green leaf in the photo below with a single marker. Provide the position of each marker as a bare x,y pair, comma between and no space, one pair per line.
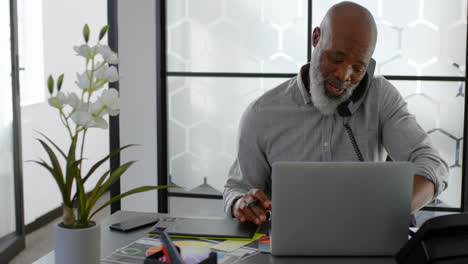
53,172
86,33
53,159
58,180
122,195
82,217
57,172
50,84
59,82
103,32
72,167
55,145
99,163
114,177
93,197
73,170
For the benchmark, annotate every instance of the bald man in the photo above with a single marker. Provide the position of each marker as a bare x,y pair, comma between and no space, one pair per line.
298,120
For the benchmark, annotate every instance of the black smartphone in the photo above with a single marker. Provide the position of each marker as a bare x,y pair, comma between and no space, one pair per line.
134,223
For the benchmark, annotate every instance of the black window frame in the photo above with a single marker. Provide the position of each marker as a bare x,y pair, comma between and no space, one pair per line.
161,119
13,243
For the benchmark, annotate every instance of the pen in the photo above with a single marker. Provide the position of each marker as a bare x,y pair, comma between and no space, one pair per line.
172,254
254,202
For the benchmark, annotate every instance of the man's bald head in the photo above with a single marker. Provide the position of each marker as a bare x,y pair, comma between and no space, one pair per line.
351,22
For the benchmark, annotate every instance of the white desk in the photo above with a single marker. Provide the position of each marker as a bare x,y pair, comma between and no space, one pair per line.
110,240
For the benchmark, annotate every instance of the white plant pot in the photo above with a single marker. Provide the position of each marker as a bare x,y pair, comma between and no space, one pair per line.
77,246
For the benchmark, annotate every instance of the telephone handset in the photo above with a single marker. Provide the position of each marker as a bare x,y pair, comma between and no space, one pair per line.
360,90
442,239
343,109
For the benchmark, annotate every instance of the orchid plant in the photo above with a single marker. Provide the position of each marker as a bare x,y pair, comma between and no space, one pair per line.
79,113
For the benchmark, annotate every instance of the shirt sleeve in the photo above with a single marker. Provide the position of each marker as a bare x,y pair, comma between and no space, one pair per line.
405,140
250,168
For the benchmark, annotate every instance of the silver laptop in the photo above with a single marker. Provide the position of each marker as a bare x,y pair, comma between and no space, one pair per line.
340,208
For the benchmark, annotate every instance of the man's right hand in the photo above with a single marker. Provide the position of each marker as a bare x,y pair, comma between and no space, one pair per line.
255,214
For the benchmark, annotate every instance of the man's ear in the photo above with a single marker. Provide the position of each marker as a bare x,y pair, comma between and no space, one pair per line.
315,36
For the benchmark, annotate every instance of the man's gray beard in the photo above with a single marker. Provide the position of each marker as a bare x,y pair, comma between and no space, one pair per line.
325,104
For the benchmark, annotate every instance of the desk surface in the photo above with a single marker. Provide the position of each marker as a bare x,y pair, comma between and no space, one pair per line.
110,240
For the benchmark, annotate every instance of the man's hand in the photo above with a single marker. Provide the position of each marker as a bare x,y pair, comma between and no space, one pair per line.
256,213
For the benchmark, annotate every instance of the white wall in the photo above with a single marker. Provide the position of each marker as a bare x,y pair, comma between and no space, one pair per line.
137,47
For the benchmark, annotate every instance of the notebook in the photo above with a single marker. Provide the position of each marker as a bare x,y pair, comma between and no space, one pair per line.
205,228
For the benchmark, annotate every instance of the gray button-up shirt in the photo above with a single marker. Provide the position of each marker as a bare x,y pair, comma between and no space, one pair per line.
284,125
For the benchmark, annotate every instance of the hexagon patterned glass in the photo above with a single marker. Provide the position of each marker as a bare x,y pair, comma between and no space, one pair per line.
416,37
204,115
438,108
236,35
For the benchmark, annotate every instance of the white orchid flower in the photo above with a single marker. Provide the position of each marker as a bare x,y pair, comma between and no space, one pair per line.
113,75
101,74
82,80
110,99
86,119
98,122
58,101
104,50
113,59
108,54
74,101
84,51
107,73
96,109
98,63
82,118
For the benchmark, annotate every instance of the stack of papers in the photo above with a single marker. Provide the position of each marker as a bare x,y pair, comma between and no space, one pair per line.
232,245
192,251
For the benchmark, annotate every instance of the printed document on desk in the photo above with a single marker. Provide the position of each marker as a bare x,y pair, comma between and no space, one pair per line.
192,251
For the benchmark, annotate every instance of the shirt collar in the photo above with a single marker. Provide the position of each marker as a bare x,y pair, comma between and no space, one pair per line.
302,78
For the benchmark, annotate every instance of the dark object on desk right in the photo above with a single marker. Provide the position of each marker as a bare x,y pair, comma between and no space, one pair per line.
440,240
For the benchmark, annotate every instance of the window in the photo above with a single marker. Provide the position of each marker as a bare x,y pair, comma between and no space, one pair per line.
223,54
31,48
12,239
48,32
7,171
